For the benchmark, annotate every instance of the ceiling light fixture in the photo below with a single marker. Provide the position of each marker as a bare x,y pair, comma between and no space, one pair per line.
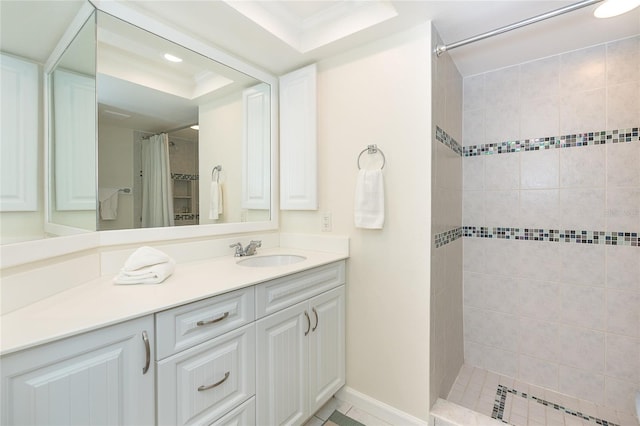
171,58
612,8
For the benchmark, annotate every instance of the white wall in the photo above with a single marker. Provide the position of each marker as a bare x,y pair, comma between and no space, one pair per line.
561,315
115,170
220,143
380,94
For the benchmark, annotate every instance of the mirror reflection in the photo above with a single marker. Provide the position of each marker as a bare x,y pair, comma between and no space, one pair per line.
182,139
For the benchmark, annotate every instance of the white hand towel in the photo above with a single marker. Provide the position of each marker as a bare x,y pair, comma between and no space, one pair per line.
108,198
215,200
143,257
153,274
369,199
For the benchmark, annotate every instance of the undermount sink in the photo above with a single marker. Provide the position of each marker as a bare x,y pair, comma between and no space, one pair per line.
271,260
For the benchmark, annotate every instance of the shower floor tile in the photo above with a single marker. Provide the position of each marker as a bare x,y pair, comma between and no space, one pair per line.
520,404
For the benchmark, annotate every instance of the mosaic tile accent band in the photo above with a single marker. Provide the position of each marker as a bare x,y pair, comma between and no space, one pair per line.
555,235
443,137
501,397
183,176
447,237
564,141
186,216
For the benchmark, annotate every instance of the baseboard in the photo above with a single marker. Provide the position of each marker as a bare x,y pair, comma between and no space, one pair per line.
379,409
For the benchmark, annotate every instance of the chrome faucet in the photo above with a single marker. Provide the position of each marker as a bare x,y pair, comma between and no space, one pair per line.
250,250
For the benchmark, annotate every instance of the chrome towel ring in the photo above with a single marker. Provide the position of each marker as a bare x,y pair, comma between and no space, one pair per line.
218,169
372,149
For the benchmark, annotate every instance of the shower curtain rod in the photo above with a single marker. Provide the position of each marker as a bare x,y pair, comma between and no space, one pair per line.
171,131
441,48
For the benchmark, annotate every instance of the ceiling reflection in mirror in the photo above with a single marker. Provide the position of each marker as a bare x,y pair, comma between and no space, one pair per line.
181,141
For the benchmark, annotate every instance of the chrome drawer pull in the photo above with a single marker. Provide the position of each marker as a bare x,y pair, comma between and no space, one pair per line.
316,314
147,348
213,321
204,388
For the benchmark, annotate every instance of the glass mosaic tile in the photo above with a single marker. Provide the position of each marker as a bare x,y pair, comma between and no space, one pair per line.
554,235
446,139
447,237
552,142
183,176
503,392
186,216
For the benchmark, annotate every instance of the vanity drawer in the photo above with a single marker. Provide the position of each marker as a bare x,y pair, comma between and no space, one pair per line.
244,415
281,293
183,327
201,384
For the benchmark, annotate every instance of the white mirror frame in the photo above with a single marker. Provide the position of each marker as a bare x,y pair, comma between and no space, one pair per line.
68,239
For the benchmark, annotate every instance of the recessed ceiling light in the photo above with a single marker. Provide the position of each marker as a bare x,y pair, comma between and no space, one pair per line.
612,8
195,127
171,58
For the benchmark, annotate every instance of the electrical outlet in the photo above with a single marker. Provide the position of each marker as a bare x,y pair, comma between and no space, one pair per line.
325,222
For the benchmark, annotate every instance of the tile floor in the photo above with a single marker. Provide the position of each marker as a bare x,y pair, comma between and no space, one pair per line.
524,404
347,409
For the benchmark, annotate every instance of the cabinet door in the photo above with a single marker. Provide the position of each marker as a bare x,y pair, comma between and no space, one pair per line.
90,379
326,347
281,355
298,140
75,141
256,146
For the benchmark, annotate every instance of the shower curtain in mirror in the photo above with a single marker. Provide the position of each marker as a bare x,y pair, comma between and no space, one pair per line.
157,197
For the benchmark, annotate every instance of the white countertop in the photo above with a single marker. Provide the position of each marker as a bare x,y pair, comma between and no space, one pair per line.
100,302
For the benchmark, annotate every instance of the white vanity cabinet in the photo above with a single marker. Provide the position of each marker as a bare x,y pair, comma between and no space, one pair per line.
300,350
206,360
269,353
100,377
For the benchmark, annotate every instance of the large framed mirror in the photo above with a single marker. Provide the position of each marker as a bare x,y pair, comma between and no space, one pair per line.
182,139
139,96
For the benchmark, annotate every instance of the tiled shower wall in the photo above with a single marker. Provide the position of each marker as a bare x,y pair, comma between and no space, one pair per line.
554,308
446,216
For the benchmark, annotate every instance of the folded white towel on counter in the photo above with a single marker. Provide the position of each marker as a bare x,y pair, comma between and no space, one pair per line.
145,256
369,200
153,274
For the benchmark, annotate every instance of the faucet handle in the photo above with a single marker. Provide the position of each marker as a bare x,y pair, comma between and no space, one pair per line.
251,247
238,247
